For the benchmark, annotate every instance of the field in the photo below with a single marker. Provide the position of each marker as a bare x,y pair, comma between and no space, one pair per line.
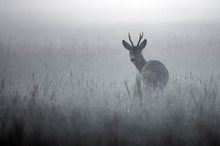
78,87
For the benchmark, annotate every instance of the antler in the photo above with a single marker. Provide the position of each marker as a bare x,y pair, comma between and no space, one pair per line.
129,36
141,36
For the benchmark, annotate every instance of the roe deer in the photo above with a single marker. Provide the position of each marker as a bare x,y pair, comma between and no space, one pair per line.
153,73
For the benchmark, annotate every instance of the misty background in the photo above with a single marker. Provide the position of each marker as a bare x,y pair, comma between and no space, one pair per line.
66,79
84,37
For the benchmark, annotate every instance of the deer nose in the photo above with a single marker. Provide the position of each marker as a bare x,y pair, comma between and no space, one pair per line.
133,60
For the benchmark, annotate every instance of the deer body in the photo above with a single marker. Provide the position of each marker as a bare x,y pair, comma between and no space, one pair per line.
153,73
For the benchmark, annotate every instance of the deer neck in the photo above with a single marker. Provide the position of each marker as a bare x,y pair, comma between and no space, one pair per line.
140,62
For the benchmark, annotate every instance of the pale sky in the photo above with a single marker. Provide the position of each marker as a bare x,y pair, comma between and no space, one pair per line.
108,11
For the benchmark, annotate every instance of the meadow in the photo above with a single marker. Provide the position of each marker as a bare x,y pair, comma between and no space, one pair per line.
79,88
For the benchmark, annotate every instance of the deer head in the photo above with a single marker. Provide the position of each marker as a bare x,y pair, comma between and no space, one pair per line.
135,51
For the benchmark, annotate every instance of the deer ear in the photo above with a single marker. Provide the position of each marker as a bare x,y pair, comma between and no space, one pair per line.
143,44
126,45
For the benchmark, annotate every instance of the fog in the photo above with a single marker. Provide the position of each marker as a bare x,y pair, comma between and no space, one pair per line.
182,34
66,78
94,12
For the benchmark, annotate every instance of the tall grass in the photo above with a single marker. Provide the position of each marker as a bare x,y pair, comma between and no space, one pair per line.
82,111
